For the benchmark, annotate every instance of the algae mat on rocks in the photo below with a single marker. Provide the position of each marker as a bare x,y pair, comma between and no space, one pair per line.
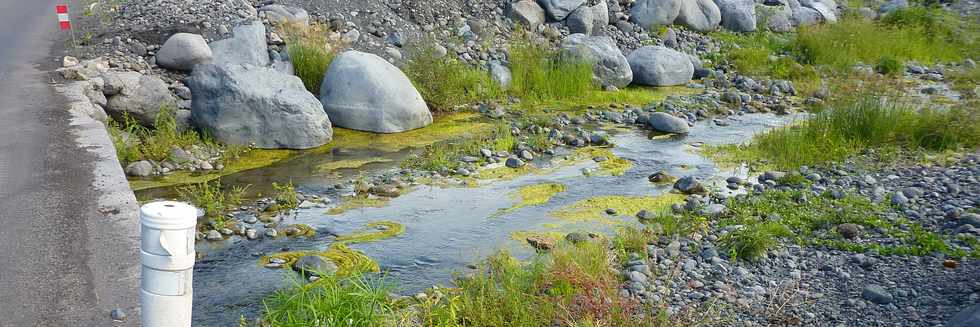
595,209
349,261
444,128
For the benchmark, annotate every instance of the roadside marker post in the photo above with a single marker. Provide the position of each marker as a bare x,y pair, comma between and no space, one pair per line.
64,21
167,255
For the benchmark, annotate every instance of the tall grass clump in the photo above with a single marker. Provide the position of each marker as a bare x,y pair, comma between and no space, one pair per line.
446,83
865,121
330,301
855,39
134,142
543,74
213,200
311,53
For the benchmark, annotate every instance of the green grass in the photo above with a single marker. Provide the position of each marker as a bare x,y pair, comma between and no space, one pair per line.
311,54
215,201
446,83
965,81
772,216
540,73
285,197
133,142
330,301
853,125
446,155
855,39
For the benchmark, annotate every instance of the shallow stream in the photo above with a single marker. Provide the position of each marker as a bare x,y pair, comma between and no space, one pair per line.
449,228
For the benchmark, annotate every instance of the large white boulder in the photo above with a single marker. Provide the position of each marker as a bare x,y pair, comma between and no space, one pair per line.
650,13
364,92
699,15
245,104
660,66
611,67
183,51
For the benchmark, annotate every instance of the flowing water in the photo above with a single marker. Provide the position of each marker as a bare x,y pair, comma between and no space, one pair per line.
447,229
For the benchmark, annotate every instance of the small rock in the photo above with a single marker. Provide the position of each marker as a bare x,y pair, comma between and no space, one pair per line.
514,163
117,314
689,185
849,231
214,235
877,294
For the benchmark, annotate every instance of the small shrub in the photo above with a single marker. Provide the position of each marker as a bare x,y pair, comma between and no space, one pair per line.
330,301
135,142
285,196
888,65
311,54
753,241
446,82
215,202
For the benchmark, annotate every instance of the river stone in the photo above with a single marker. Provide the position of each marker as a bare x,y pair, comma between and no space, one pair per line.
139,169
247,46
737,15
364,92
183,51
139,96
514,162
666,123
969,317
526,12
650,13
971,219
893,5
826,12
280,14
559,9
611,67
877,294
245,104
699,15
660,66
781,21
600,15
689,185
315,265
849,231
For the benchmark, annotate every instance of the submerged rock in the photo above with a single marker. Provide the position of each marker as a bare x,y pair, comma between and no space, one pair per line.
244,104
364,92
663,122
315,265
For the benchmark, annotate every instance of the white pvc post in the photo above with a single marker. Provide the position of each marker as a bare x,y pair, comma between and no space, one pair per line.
167,255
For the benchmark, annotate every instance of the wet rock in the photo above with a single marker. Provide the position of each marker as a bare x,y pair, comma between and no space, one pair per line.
214,235
364,92
541,242
877,294
689,185
666,123
271,233
315,265
661,177
183,51
514,163
139,169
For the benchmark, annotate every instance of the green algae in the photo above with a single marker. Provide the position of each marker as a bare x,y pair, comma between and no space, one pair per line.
349,164
594,209
374,231
443,128
349,261
536,194
504,172
613,165
304,230
358,203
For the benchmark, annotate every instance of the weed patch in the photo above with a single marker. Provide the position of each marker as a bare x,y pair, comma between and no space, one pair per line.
215,202
446,83
594,209
311,54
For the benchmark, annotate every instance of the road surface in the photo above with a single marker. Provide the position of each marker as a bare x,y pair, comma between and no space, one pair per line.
62,261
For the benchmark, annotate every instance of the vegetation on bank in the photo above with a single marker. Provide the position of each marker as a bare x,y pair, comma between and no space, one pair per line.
311,53
135,142
854,124
445,82
213,200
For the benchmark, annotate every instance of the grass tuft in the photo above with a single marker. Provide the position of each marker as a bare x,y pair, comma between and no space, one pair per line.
215,202
446,83
542,74
310,53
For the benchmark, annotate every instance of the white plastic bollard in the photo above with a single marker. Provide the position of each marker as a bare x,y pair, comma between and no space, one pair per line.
167,254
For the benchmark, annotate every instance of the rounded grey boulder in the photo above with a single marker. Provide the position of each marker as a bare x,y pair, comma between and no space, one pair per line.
526,12
183,51
737,15
246,46
139,96
660,66
650,13
364,92
611,67
245,104
280,14
663,122
699,15
559,9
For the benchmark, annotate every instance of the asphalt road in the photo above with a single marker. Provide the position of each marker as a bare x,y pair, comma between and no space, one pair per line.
57,266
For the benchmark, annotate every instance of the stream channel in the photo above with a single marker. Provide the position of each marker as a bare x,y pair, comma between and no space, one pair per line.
449,228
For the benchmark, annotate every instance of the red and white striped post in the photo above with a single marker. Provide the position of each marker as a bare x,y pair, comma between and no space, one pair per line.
64,21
